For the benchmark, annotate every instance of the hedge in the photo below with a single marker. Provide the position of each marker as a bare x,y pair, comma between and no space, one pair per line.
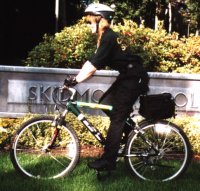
86,138
161,52
190,125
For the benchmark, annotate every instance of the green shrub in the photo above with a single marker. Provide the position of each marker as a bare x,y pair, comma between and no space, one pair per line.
68,49
190,125
10,125
86,138
160,51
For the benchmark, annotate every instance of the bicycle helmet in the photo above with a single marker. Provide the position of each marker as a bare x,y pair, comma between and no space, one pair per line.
102,10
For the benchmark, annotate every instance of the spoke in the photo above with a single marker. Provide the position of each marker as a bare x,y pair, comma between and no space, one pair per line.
140,155
155,135
177,153
166,142
171,148
32,159
34,137
37,126
139,165
160,165
22,146
146,141
29,150
175,157
56,159
68,157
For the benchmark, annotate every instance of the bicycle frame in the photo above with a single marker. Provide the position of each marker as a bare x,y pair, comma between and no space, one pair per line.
72,106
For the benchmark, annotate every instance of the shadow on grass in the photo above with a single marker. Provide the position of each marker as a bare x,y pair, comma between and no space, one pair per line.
84,179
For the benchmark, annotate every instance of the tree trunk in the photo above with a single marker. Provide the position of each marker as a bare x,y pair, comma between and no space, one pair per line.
156,22
170,17
156,17
197,33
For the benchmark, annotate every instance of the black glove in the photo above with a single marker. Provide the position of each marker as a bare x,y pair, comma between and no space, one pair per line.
70,81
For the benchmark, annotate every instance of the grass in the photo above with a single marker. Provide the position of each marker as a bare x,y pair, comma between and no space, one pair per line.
84,179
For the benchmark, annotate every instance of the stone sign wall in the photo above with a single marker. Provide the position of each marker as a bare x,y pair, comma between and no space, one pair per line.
29,90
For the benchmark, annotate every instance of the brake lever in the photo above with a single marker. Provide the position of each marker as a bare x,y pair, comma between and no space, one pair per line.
72,90
64,87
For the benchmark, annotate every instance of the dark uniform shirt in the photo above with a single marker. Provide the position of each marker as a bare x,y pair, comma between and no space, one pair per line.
110,53
124,91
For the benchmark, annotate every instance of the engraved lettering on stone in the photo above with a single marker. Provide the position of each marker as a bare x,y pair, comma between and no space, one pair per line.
96,95
45,94
32,93
181,99
37,95
193,103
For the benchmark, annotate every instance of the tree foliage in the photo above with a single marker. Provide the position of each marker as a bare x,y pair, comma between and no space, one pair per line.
194,9
185,13
160,50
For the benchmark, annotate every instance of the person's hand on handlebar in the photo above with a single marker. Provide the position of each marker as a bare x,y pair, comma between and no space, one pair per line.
70,81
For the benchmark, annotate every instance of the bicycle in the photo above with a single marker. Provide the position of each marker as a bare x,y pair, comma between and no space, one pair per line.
48,147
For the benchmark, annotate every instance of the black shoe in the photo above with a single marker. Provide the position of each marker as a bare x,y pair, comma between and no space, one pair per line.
102,164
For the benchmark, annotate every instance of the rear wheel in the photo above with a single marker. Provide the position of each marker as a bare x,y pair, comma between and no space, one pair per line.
31,155
159,152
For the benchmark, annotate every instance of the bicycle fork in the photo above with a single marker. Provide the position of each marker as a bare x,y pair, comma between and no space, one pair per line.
59,121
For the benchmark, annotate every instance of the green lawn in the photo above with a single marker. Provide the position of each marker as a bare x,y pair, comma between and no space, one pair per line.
84,179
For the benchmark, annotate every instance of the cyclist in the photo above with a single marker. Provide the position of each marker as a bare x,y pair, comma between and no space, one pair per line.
131,82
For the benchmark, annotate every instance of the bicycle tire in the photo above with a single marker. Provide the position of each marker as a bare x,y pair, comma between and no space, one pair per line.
29,153
166,156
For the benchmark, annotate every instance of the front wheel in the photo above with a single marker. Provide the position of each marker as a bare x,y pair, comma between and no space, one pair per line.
32,156
160,151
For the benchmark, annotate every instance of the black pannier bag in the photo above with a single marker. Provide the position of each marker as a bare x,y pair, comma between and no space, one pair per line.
157,106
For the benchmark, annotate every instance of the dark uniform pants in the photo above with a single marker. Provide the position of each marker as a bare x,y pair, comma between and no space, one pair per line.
121,95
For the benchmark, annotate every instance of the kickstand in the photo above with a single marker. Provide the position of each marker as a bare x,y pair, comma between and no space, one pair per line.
102,175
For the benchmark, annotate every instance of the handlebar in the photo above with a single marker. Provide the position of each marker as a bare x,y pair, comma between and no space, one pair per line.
72,90
58,91
71,98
